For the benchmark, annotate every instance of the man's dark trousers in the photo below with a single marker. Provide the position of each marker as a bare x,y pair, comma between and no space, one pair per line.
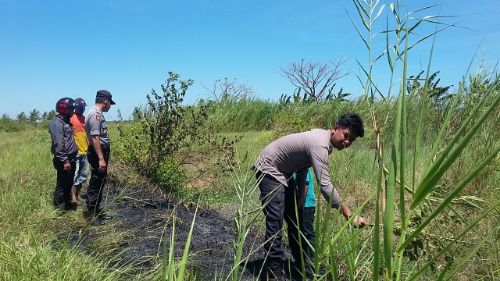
279,203
64,182
307,228
306,238
97,180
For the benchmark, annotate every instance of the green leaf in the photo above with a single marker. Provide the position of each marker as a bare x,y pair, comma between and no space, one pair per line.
470,254
427,7
362,13
359,32
182,265
452,243
449,156
381,9
451,195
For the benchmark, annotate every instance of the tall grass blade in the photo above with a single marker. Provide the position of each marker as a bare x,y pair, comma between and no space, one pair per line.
361,16
446,160
452,243
358,31
402,157
380,10
470,254
170,266
183,263
376,228
427,36
459,133
423,113
361,10
394,12
369,80
392,178
454,193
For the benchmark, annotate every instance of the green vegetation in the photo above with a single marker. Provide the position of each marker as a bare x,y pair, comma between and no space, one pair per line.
425,174
29,226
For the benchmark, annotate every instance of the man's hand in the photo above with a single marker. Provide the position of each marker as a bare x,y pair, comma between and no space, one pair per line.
102,165
67,166
359,221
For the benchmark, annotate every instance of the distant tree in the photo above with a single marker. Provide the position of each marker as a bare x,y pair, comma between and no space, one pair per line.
316,79
9,125
21,118
50,115
438,94
229,90
137,114
479,83
34,117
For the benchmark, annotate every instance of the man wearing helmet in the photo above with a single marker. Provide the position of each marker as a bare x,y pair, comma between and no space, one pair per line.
98,155
64,150
82,165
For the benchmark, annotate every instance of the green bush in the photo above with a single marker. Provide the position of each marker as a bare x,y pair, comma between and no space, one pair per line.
7,125
167,136
289,121
170,174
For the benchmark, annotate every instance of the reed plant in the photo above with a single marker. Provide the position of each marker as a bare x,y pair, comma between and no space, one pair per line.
393,189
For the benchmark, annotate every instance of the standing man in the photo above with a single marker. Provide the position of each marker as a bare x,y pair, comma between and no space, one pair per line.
295,153
98,155
64,150
82,164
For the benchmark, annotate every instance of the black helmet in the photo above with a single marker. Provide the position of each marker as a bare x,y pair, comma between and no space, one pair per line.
80,105
65,106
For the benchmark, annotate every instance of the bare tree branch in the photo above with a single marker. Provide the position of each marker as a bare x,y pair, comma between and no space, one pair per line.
229,89
315,78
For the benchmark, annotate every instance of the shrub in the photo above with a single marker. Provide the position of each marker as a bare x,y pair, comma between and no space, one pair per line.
167,137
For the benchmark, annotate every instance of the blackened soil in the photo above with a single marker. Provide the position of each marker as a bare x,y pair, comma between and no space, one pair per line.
143,221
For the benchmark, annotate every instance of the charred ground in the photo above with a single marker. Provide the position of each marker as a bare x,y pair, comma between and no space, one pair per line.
140,234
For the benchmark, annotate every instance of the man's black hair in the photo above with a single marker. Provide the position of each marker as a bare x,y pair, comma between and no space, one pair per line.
353,122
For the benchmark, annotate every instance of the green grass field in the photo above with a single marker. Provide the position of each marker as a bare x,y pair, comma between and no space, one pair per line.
426,175
31,247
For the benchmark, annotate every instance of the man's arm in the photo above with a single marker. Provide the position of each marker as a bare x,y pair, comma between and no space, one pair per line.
329,192
320,166
96,143
302,185
357,220
57,133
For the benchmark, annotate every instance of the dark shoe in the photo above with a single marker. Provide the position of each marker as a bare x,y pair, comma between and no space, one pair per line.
99,219
96,221
104,217
298,275
273,271
71,207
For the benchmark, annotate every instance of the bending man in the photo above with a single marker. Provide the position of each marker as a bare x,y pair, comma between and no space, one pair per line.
295,153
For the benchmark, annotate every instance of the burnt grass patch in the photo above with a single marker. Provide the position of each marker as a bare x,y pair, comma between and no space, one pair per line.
140,233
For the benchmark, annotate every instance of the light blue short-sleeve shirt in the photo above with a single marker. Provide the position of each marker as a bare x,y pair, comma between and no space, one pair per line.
310,196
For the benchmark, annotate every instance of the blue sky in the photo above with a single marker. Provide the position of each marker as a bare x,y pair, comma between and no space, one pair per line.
51,49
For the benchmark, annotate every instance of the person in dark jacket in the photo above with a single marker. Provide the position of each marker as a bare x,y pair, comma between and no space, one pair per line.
64,150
